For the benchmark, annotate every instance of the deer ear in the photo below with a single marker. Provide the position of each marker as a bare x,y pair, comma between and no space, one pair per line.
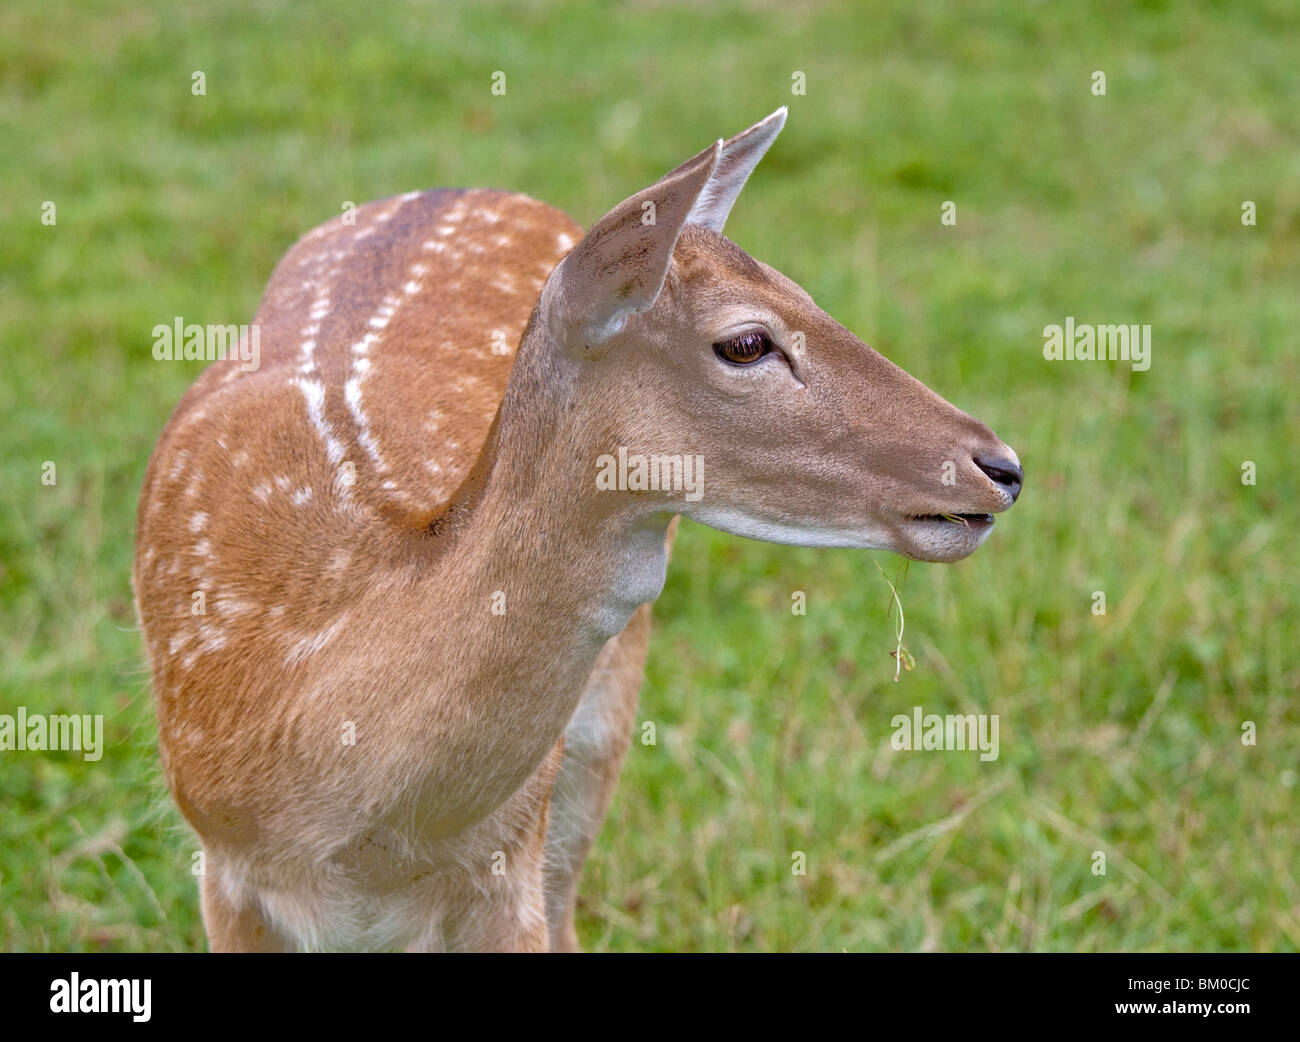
619,266
740,155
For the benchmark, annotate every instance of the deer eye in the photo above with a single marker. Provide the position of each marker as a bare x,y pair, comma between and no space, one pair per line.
744,349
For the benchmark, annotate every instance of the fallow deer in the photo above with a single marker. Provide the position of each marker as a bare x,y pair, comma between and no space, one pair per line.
398,718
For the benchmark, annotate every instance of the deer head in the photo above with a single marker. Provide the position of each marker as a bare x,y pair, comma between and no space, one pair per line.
681,344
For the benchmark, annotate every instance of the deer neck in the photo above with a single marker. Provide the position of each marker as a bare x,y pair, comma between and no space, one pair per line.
575,561
534,569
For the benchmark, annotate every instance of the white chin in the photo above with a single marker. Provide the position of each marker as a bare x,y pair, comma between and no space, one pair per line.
922,539
768,530
941,540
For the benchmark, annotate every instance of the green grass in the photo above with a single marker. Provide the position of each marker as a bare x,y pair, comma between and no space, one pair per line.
1119,733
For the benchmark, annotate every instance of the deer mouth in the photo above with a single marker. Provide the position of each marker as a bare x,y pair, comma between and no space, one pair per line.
943,538
970,520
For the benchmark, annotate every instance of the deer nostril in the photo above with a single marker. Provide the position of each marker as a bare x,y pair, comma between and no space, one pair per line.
1004,472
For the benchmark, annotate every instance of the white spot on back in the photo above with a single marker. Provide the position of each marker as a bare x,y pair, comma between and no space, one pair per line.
313,391
309,645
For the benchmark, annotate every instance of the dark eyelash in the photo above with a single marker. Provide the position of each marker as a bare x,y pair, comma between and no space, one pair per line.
743,349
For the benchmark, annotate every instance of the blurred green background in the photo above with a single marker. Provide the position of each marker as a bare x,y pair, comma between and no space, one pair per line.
1119,733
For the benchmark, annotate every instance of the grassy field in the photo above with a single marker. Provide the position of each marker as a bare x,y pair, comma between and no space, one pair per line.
1120,733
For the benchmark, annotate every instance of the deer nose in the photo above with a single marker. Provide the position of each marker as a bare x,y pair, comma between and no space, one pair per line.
1004,472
